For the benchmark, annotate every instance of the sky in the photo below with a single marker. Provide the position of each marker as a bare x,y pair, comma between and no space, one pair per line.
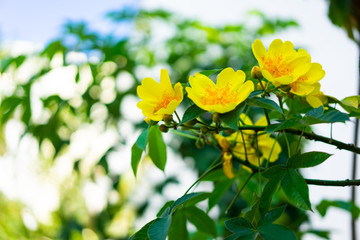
39,21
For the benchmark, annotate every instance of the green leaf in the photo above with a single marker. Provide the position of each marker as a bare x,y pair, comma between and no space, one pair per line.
309,159
276,232
319,233
239,224
159,229
201,220
157,147
142,233
289,123
188,198
271,216
268,192
178,229
219,190
164,209
231,118
191,113
329,117
142,139
296,189
252,214
136,153
264,103
208,73
324,205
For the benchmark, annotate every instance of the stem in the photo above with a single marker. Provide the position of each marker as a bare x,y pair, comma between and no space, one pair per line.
177,116
212,167
298,143
182,134
272,148
238,193
287,144
258,157
319,182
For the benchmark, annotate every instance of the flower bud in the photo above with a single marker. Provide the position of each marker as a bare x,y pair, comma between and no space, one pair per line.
256,73
216,117
168,119
190,123
200,143
163,128
204,130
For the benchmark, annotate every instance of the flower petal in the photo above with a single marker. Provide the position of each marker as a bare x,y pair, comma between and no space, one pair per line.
228,75
258,49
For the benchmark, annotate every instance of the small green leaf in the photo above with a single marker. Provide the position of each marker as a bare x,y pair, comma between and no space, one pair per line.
136,153
157,147
347,206
219,190
239,224
276,232
252,214
296,189
188,198
159,229
289,123
309,159
264,103
271,216
142,233
208,73
268,193
201,220
320,233
178,229
142,139
164,208
231,118
191,113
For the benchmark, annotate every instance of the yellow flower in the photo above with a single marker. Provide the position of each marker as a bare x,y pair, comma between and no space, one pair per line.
246,147
159,99
228,92
316,98
281,64
307,83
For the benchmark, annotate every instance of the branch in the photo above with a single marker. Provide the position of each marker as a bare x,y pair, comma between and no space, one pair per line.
335,183
311,136
320,182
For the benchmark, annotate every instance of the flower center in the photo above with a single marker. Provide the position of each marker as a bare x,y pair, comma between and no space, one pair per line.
277,66
165,100
215,95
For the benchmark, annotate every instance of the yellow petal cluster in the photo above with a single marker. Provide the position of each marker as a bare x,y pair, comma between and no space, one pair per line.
246,147
228,92
159,99
281,64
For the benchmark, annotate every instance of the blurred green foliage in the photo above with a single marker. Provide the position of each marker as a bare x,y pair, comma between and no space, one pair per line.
101,62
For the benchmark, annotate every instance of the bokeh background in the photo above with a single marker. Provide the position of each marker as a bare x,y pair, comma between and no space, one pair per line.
69,72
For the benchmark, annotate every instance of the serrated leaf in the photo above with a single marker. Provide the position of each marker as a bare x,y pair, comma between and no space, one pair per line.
296,189
142,233
208,73
264,103
271,216
159,229
276,232
201,220
178,229
231,118
239,224
157,147
309,159
192,112
268,192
